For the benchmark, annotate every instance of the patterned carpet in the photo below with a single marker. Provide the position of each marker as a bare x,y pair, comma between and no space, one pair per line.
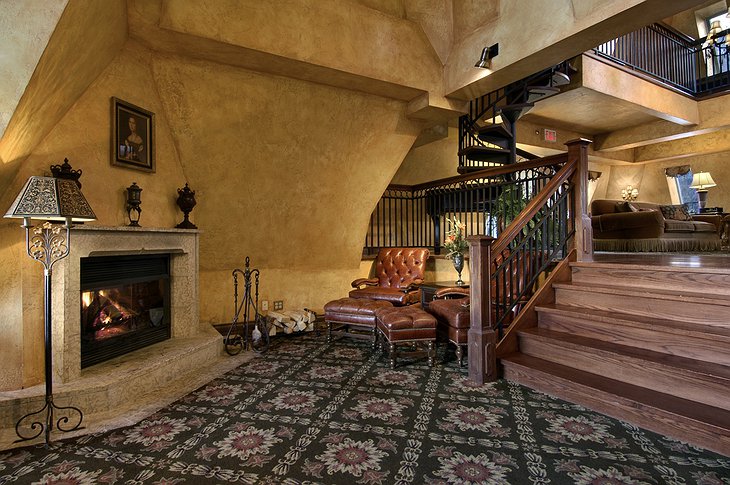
306,413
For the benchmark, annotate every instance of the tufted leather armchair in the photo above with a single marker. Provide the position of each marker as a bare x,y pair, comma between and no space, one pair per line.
398,273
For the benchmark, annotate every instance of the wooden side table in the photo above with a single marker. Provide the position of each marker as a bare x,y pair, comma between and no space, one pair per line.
429,288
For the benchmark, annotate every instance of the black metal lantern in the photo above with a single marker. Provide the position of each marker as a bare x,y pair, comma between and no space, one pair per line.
134,199
186,201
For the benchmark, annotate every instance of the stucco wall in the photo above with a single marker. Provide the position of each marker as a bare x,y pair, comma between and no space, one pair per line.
435,160
287,174
285,171
652,182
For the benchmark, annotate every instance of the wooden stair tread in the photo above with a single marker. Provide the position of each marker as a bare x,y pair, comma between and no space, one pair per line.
659,294
536,93
513,112
653,323
699,368
495,130
481,153
695,411
723,266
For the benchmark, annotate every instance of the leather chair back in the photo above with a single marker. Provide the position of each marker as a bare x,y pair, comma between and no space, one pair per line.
399,267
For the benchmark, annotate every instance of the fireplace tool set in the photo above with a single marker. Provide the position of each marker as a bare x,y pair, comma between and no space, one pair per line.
241,333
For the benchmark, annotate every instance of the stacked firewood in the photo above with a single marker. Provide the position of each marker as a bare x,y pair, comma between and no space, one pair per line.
292,321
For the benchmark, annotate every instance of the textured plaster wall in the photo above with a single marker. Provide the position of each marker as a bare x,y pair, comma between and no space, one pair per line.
652,182
341,35
25,28
11,323
429,162
287,173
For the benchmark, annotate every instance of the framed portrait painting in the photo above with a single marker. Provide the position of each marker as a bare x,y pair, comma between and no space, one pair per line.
133,136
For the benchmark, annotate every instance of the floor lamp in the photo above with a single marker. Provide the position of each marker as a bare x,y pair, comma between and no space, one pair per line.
49,199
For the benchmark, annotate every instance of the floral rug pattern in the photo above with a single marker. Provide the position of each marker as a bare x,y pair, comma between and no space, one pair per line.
309,413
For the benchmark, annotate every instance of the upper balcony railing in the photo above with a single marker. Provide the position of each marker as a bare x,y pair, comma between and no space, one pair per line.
691,66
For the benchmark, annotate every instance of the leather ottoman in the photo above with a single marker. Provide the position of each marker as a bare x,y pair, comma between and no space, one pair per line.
356,313
453,322
407,325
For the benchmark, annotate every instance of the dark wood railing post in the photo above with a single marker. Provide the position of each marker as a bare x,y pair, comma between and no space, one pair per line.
482,335
583,238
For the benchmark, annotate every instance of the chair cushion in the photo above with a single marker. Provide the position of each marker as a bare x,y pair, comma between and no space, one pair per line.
451,312
395,296
351,310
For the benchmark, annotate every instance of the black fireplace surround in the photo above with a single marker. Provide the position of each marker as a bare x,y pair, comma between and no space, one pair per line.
125,304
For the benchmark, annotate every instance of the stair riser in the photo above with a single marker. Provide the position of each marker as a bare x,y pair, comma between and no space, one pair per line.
685,384
657,420
637,304
715,284
709,348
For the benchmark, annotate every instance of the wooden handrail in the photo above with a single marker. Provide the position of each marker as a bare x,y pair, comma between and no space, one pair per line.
484,252
486,173
532,208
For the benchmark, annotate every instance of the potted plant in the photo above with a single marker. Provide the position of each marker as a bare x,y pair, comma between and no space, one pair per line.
456,245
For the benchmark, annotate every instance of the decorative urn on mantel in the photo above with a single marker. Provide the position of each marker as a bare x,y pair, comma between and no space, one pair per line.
186,201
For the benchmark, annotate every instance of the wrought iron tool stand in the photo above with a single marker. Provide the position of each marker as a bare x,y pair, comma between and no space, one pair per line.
258,337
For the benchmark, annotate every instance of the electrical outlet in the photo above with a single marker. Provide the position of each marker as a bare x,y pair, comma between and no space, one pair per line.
264,305
278,304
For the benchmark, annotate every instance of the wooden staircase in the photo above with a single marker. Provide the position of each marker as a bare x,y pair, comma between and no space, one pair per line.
642,342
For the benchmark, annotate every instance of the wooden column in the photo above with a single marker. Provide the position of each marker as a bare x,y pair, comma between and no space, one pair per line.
583,240
482,336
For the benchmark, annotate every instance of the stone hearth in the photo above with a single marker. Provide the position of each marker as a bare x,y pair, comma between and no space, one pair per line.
125,384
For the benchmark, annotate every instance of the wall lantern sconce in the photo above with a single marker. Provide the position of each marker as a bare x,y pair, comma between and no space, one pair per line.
49,199
488,53
134,199
593,175
701,181
630,193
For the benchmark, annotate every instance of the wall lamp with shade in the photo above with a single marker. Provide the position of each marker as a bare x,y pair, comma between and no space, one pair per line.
488,53
61,200
701,181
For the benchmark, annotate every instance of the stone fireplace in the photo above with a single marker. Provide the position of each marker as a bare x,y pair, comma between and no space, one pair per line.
157,288
92,244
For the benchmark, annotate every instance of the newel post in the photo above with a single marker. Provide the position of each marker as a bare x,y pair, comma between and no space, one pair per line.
583,239
482,336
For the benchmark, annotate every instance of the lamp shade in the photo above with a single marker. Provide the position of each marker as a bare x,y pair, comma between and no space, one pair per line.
702,181
53,199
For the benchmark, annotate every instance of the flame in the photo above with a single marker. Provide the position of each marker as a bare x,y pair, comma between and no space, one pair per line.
86,297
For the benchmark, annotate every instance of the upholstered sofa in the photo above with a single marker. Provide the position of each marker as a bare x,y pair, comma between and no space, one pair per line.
643,226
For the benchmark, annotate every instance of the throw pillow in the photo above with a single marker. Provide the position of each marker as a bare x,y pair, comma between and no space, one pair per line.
636,208
676,212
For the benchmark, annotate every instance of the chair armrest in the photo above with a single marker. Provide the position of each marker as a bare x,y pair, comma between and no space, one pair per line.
452,291
365,281
711,218
415,284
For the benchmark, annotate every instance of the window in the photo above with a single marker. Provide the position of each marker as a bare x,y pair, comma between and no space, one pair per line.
687,195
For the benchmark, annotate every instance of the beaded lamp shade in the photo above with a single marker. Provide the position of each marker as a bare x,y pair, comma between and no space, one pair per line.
53,199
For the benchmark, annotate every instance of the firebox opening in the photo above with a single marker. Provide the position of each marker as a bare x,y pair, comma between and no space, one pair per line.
125,304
